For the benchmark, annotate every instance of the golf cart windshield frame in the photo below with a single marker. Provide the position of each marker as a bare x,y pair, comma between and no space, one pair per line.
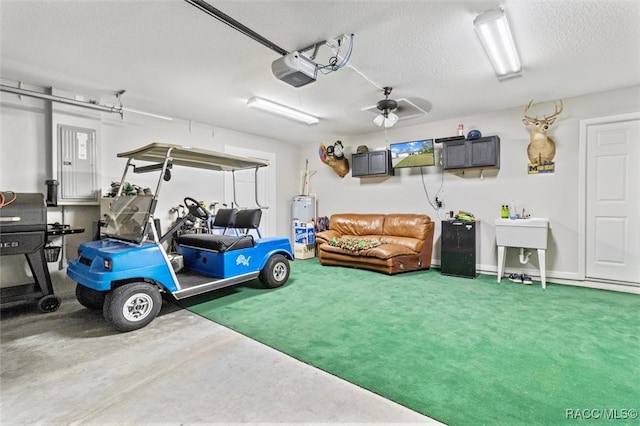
131,216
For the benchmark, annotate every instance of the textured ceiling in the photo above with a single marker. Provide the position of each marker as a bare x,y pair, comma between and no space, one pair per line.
173,59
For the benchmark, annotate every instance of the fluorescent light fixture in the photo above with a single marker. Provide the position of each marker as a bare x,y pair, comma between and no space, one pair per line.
494,33
275,108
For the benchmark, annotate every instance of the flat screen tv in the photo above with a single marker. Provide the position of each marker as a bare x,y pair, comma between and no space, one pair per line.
412,154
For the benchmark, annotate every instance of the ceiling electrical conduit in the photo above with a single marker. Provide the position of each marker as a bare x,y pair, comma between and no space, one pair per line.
53,98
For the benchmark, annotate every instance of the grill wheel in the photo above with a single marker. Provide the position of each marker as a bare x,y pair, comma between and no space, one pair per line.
49,303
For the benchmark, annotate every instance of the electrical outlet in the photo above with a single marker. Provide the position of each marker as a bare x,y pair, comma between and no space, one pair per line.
339,41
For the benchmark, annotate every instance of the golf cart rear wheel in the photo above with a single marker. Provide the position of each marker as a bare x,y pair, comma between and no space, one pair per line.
276,272
132,306
90,298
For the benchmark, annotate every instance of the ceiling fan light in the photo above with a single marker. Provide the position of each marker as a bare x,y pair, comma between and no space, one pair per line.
386,107
390,119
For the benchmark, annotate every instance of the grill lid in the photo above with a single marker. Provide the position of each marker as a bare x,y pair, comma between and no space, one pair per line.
26,213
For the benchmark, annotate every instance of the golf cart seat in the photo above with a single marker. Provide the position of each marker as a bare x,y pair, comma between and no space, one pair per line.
224,219
249,219
217,243
244,220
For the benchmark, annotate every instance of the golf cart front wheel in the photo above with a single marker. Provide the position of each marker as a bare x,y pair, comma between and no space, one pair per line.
276,272
132,306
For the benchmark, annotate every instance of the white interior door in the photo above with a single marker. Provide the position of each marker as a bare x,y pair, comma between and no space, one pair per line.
245,188
613,201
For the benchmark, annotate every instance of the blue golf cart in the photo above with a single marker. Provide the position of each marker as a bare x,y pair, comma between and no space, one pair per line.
127,271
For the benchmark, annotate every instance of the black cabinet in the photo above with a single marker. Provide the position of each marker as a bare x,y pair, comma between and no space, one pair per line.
459,245
475,153
371,164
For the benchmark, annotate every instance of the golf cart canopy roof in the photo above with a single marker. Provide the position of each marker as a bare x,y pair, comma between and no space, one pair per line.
182,155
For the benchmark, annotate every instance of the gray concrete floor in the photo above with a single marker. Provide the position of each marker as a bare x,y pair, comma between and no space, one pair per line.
69,367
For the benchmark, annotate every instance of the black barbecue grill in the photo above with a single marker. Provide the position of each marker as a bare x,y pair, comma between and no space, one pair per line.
23,230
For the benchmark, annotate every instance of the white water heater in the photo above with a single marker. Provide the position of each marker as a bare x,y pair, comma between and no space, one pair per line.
303,208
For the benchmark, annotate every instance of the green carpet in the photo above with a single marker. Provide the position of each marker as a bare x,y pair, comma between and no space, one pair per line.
462,351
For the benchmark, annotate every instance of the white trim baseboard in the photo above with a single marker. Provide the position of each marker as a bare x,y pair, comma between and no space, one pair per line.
559,277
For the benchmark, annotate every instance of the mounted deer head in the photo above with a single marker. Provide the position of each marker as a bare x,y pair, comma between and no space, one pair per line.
541,149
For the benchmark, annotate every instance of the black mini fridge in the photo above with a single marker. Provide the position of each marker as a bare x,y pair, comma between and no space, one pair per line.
459,245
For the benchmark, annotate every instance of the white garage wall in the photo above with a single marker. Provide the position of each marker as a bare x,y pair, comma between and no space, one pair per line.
25,163
26,149
553,195
199,184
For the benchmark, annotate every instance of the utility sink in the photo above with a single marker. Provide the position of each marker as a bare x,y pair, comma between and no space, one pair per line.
526,233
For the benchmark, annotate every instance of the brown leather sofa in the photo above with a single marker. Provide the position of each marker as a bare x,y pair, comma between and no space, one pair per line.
405,242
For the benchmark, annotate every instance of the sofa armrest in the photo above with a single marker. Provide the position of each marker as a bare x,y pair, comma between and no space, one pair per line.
326,236
426,253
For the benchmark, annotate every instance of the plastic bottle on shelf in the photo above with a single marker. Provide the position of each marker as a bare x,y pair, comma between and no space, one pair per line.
512,210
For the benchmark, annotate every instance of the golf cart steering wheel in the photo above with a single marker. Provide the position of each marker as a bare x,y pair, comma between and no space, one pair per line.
196,209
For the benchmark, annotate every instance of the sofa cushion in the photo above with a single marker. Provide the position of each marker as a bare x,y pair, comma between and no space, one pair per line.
412,244
384,251
357,224
406,225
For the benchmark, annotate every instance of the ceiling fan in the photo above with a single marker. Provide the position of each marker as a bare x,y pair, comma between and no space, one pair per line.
384,112
386,106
